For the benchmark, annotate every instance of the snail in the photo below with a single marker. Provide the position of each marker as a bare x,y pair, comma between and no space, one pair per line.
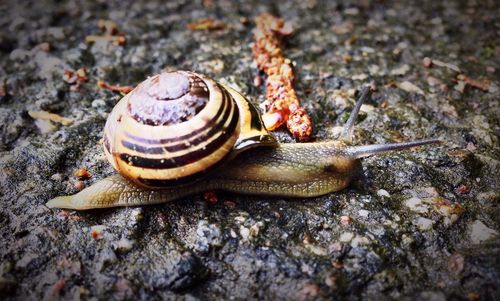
180,133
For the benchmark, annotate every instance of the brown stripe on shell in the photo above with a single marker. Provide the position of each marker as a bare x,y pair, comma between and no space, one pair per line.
156,183
179,161
211,125
139,139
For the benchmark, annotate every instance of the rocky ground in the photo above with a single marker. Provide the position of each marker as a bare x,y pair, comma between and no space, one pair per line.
419,225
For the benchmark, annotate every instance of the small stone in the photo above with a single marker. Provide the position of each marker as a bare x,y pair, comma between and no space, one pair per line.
479,232
427,62
346,237
97,231
361,77
373,69
345,220
363,213
416,204
359,241
255,229
401,70
383,193
98,103
136,214
367,49
424,224
429,191
410,87
460,86
123,245
56,177
433,81
407,240
447,65
244,232
79,185
352,11
240,219
45,126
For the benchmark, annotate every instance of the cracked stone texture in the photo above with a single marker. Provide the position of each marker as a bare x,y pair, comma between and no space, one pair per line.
419,225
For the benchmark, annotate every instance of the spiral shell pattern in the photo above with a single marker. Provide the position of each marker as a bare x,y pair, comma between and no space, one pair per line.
176,126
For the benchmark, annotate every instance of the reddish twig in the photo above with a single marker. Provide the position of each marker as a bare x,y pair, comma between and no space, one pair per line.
122,89
282,103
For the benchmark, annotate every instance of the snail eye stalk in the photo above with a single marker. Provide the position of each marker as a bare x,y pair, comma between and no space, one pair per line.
346,135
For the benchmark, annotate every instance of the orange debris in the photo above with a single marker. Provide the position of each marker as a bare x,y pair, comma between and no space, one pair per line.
282,104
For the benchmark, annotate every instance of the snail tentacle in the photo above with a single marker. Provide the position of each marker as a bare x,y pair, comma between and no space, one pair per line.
347,131
363,151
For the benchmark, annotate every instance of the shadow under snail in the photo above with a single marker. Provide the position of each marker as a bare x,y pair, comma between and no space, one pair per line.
180,133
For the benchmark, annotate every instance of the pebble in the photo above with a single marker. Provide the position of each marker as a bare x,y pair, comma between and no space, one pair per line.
97,231
427,62
383,193
367,49
410,87
79,185
407,240
98,103
373,69
479,232
240,219
424,224
433,81
123,245
416,204
244,232
345,220
255,229
56,177
359,241
401,70
460,86
363,213
45,126
361,76
346,237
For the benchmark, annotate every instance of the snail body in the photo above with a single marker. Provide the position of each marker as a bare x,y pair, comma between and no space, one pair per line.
180,133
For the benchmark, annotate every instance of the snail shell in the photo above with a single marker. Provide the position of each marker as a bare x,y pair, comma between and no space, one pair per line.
176,126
